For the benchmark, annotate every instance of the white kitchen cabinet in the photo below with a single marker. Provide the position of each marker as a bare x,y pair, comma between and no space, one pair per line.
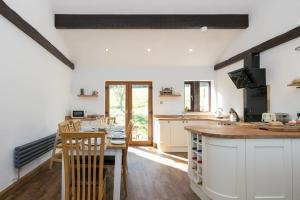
170,135
162,132
179,137
269,169
296,168
224,168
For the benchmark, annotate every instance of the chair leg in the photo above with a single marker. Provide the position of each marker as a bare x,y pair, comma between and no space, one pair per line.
53,151
125,180
104,190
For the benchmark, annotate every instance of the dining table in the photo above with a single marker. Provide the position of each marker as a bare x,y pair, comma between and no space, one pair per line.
115,150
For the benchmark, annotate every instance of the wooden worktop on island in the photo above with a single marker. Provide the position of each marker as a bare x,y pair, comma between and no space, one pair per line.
238,132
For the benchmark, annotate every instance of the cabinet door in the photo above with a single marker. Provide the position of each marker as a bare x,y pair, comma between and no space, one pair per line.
164,133
269,171
224,168
179,137
296,168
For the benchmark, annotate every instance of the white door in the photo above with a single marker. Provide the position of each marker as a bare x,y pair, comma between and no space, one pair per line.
269,169
179,137
224,168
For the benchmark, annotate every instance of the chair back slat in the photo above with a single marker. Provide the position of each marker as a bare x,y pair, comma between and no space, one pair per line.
110,120
83,155
129,133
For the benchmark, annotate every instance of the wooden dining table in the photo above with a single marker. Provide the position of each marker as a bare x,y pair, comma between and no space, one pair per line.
110,150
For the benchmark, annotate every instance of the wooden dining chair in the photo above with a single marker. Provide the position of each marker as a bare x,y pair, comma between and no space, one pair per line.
110,120
75,125
56,157
125,156
83,155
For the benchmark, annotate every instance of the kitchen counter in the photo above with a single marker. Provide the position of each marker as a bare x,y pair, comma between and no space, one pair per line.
239,132
191,118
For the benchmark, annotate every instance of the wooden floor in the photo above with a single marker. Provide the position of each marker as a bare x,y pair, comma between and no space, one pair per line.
152,176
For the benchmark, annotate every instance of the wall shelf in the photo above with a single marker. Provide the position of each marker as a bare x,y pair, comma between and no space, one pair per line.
169,95
297,85
88,95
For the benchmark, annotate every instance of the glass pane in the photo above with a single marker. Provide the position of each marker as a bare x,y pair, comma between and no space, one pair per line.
187,97
204,96
117,103
140,112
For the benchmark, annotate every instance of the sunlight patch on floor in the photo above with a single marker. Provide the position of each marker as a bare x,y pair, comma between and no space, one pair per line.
161,159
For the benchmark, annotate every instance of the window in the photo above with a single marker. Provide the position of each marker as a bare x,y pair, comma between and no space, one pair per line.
197,96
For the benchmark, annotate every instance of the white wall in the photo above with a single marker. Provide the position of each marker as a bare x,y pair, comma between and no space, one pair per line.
267,19
35,86
93,78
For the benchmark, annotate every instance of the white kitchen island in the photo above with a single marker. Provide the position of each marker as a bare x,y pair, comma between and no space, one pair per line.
228,163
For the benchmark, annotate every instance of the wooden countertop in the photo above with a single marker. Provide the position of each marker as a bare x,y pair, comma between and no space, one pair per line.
238,132
190,118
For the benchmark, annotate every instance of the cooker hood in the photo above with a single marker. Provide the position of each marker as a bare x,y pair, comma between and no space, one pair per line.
251,76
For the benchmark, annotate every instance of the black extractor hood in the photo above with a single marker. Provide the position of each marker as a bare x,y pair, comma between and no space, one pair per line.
251,76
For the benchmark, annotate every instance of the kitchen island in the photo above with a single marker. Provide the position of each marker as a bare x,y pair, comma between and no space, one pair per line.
233,162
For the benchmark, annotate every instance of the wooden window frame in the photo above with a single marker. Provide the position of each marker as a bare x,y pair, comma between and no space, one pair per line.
192,98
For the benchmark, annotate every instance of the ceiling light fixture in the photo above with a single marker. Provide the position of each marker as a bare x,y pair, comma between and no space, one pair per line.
191,50
148,49
106,49
203,28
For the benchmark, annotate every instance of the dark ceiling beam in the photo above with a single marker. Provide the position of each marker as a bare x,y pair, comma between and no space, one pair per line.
227,21
29,30
278,40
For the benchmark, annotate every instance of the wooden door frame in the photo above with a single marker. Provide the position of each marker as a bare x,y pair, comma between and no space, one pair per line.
128,104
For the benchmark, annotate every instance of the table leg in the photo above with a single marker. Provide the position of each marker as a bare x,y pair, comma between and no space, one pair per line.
62,180
117,175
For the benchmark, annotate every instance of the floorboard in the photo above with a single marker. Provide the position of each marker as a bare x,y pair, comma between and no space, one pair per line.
152,176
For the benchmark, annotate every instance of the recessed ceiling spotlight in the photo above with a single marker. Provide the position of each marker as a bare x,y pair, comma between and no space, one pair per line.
203,28
106,49
148,49
191,50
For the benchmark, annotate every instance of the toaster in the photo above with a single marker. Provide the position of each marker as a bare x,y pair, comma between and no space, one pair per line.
282,117
268,117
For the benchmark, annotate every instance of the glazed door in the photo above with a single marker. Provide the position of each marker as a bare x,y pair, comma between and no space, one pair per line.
131,100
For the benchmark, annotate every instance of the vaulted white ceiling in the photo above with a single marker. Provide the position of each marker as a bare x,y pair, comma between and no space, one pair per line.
168,47
152,6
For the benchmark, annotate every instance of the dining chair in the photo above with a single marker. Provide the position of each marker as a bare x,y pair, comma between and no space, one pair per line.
110,120
125,155
75,125
55,157
83,155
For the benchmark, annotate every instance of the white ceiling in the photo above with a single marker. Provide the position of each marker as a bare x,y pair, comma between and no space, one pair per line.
129,47
152,6
168,47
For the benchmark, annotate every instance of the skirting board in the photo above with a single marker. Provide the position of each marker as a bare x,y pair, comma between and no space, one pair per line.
23,180
173,149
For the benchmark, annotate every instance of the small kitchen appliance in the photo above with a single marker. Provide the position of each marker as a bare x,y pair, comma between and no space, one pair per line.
233,117
282,117
268,117
78,114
